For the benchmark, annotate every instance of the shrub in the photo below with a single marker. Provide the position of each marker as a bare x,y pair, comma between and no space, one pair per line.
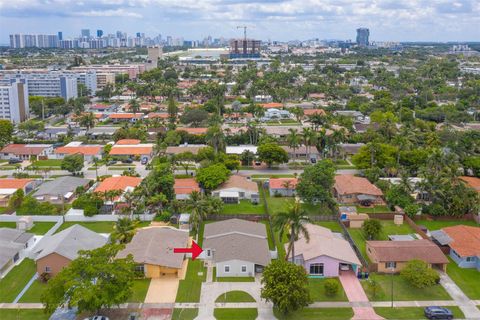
372,228
419,275
331,287
411,210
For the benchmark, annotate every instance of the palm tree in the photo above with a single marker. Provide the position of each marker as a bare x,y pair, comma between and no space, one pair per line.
134,106
293,139
216,138
87,120
293,222
308,136
197,208
124,230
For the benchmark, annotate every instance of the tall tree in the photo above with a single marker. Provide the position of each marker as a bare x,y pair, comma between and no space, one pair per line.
6,130
292,222
216,138
124,230
94,280
87,120
293,139
316,184
198,209
134,106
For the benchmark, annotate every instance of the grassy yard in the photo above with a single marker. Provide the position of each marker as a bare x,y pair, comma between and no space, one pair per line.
47,163
40,228
402,290
408,313
332,225
19,314
235,296
388,228
140,288
235,314
271,246
34,293
467,279
11,225
317,313
437,225
317,290
16,279
279,204
244,207
184,314
99,226
189,288
374,209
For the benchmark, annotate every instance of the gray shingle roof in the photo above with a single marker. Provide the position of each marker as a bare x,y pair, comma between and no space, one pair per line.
68,242
12,241
60,186
14,235
237,239
154,245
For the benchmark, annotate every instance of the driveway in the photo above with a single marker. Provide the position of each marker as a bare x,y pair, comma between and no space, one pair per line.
162,290
354,291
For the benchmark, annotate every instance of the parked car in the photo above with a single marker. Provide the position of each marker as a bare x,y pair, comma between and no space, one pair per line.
438,313
111,162
14,161
128,160
97,318
144,161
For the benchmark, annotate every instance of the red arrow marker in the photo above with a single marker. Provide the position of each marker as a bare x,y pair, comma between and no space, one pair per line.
195,250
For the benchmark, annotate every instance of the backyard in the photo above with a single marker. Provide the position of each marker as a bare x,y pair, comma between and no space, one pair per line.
98,226
407,313
244,207
16,280
189,288
374,209
437,225
402,290
317,313
279,204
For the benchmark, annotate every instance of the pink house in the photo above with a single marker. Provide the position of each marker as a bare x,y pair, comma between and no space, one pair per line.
325,254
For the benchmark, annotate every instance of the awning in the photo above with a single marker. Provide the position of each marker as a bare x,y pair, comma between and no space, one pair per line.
229,194
441,237
363,197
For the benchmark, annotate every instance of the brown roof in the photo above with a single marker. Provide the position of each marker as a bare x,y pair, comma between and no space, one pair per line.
472,182
14,183
118,183
240,182
281,183
85,150
350,184
154,245
27,149
311,112
404,251
185,186
465,240
193,130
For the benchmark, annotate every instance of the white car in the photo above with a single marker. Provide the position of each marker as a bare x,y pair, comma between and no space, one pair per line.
344,267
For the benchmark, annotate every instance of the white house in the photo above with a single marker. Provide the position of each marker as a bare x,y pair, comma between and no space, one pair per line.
237,188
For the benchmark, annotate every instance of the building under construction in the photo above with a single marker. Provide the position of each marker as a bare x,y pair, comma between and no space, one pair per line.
244,48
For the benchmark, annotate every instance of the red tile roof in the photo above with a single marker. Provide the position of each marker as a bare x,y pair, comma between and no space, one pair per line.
85,150
20,149
280,183
125,115
118,183
311,112
272,105
131,150
153,115
193,130
14,183
185,186
466,240
472,182
128,141
350,184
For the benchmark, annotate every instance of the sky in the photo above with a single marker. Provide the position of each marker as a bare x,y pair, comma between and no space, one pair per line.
398,20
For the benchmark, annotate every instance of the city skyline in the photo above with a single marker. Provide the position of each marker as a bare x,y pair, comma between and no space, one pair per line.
304,19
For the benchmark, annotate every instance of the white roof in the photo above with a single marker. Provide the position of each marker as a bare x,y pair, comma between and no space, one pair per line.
240,149
7,191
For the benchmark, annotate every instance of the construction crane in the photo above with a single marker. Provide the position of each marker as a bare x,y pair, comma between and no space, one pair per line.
244,31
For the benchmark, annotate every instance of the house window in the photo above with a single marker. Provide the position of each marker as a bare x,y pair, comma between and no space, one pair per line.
390,265
16,257
48,269
244,268
227,269
316,269
140,268
470,259
209,253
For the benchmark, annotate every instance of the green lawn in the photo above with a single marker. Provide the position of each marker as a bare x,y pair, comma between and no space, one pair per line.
40,228
317,313
11,225
235,314
402,290
332,225
16,279
374,209
437,225
189,288
467,279
140,288
20,314
271,246
244,207
408,313
99,226
47,163
317,290
388,228
184,314
279,204
34,293
235,296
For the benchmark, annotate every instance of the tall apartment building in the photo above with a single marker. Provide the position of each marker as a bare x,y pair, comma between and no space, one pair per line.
245,48
14,101
33,40
362,37
133,70
152,59
46,84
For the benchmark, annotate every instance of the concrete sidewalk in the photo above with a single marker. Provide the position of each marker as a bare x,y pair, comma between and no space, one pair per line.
467,306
